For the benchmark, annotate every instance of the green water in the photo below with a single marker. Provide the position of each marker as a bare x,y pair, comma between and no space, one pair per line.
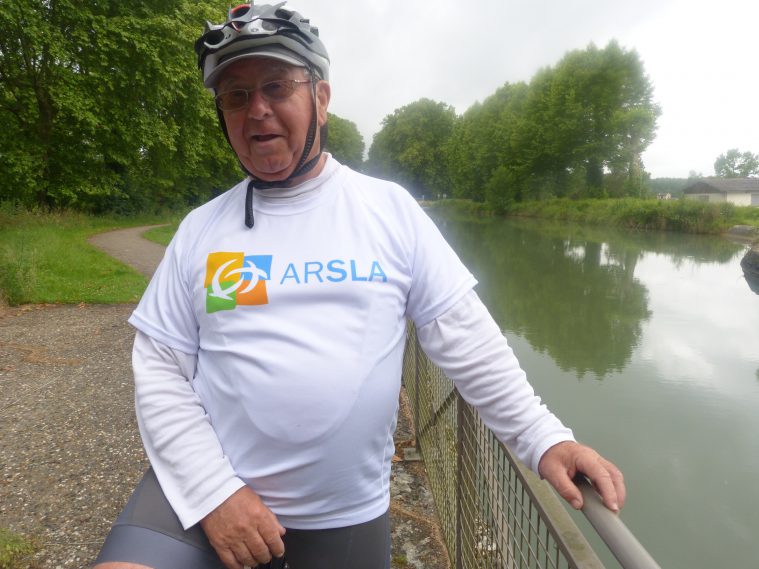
647,345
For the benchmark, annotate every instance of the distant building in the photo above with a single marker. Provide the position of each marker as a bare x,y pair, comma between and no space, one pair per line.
738,191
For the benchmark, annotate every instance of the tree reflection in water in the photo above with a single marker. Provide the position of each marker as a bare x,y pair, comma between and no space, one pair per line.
570,291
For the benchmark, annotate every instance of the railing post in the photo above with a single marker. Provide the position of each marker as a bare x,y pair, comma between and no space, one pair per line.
459,480
417,381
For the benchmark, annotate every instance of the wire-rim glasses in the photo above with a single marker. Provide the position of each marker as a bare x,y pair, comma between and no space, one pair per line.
271,91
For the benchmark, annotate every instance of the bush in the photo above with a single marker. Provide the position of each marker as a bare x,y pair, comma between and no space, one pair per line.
684,215
459,207
14,551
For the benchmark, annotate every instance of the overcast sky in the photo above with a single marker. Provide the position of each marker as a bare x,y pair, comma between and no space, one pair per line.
702,58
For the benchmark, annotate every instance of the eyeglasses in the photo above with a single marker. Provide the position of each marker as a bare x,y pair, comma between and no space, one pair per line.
272,91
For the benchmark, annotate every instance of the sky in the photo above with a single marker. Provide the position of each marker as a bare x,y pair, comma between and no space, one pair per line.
701,57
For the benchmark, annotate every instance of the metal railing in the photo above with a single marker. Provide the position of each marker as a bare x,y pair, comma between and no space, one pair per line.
493,511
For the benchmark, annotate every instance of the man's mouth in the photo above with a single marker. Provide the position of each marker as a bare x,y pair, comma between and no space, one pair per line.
263,137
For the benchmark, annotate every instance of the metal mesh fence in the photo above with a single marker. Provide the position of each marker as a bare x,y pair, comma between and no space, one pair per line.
493,512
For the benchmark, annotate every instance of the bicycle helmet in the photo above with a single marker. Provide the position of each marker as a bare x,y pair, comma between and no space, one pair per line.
262,31
274,32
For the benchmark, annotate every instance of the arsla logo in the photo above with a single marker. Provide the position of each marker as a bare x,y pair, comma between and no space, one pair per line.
236,279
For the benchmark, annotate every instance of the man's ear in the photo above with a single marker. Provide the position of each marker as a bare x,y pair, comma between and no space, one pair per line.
323,94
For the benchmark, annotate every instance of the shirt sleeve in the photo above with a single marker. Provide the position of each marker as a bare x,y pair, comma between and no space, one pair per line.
166,311
466,343
184,451
439,278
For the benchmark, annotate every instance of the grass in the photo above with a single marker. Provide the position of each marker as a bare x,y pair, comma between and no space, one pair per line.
45,258
686,216
161,235
14,551
683,215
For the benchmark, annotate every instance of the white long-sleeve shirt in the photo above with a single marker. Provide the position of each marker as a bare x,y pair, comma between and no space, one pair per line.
272,357
465,343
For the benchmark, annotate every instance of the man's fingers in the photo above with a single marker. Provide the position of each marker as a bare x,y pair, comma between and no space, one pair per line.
229,559
607,480
254,551
615,486
561,462
273,541
244,531
567,489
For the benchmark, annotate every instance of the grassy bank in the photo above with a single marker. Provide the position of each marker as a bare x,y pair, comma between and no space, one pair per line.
687,216
14,551
162,235
45,258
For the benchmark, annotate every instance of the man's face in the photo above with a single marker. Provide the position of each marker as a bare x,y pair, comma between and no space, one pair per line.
268,136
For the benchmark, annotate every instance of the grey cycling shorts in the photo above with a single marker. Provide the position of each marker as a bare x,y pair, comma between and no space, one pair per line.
149,533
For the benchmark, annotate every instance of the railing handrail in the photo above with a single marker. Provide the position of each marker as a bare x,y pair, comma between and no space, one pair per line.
441,399
612,530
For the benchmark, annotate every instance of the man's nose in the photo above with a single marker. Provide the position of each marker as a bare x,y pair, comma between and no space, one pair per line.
258,106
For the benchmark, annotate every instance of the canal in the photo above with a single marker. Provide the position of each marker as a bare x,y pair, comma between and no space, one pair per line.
647,345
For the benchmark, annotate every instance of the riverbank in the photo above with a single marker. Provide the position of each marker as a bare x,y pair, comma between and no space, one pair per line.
685,216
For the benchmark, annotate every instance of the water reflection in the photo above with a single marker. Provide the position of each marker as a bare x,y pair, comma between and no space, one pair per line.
571,296
667,321
571,291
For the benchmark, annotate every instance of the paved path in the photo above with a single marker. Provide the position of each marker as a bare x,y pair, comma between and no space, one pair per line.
128,246
70,451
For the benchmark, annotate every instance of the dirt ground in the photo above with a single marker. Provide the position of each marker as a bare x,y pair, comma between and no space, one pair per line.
70,451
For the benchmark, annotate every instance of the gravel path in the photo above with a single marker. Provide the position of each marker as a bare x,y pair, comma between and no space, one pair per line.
128,246
70,452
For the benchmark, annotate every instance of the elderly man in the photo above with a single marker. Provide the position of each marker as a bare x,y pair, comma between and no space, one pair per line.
269,343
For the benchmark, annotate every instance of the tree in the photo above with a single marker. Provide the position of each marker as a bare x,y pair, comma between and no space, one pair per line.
409,147
102,107
345,141
483,141
736,164
592,114
578,128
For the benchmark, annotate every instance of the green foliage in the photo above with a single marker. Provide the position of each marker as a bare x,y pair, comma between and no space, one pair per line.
577,129
503,189
102,107
408,147
345,142
162,235
14,551
486,138
683,215
581,127
459,209
736,164
46,258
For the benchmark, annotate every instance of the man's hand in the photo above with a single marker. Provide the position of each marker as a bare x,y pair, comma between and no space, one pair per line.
560,463
243,531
